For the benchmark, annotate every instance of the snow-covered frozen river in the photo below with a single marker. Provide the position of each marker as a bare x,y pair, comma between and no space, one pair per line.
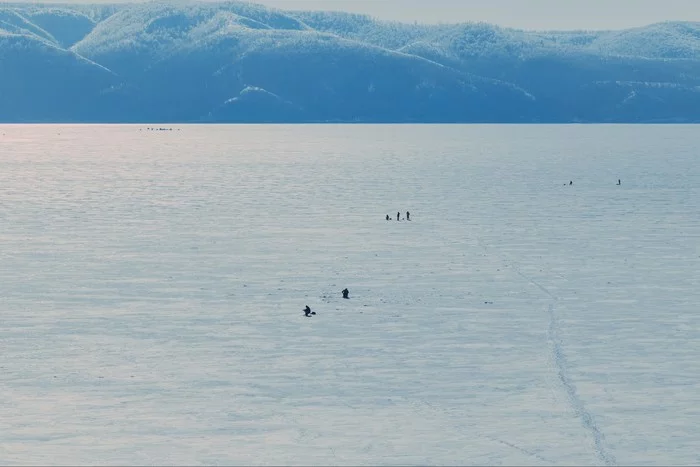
152,286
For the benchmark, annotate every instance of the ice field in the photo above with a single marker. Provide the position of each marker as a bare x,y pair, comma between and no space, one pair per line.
152,286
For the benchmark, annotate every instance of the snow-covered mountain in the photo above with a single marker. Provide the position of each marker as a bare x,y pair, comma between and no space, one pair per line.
238,62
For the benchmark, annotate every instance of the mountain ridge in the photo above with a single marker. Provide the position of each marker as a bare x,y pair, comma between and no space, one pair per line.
243,62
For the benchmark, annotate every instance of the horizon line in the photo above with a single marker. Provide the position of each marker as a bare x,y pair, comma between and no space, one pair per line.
373,17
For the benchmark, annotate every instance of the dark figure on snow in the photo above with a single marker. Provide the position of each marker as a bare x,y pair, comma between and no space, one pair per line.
398,215
571,183
619,182
408,216
308,312
387,217
345,293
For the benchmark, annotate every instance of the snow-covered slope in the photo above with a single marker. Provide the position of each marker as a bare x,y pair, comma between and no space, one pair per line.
40,82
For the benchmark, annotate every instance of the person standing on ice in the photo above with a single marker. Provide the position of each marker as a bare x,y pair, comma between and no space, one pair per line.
387,217
345,293
398,215
408,216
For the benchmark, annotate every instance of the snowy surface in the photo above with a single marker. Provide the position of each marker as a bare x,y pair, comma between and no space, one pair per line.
152,286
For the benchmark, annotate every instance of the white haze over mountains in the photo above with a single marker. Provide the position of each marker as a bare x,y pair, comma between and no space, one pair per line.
531,15
243,62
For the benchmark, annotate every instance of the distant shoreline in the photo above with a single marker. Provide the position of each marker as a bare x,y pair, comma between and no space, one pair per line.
344,123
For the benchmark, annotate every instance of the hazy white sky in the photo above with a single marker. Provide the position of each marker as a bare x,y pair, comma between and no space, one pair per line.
528,14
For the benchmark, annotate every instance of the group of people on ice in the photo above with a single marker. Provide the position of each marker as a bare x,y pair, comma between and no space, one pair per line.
398,216
345,292
308,312
619,182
